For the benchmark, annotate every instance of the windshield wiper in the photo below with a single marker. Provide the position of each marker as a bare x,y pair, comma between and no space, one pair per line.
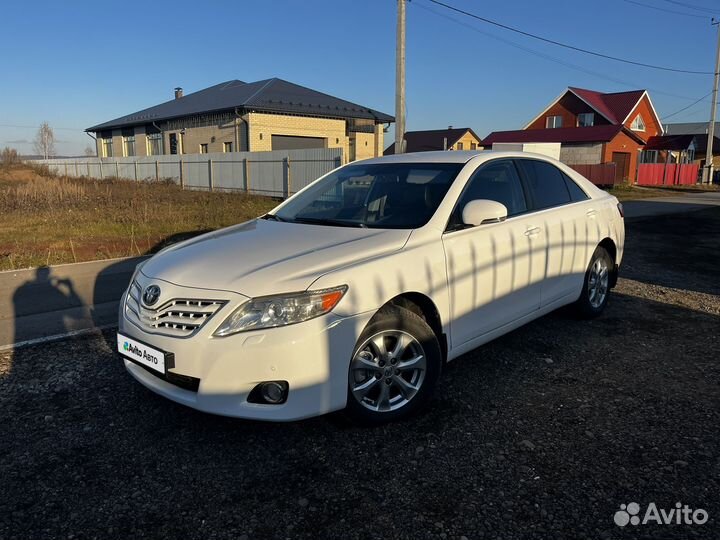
329,221
273,217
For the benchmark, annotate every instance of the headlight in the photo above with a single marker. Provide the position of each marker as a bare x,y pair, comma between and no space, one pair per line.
273,311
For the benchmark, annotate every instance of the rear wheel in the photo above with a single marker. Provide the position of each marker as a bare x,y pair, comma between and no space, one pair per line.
394,369
596,289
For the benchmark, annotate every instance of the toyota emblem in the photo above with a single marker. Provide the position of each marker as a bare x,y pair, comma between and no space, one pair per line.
151,295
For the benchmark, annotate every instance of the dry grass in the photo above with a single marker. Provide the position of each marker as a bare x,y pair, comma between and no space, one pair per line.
52,220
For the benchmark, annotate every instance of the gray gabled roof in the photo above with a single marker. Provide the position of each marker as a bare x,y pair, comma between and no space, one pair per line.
271,95
687,128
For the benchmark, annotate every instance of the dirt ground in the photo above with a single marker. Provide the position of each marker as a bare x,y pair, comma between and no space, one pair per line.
542,433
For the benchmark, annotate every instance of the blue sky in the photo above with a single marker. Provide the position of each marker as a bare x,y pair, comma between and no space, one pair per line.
76,64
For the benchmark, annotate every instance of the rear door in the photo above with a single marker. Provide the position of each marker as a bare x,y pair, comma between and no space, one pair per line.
569,225
494,270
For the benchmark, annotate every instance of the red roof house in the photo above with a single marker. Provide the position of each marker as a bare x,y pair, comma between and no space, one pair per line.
593,127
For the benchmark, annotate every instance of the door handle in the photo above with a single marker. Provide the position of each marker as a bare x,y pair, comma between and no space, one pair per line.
592,213
532,232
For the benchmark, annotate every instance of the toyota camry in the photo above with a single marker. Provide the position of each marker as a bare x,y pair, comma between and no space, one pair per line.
356,291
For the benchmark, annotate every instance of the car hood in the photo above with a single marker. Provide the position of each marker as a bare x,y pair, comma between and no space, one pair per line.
263,257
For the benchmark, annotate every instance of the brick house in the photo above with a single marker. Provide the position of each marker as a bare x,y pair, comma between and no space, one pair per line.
236,116
592,128
438,139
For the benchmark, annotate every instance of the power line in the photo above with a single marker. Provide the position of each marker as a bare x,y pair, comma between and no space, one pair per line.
686,108
565,45
667,10
691,6
546,56
37,127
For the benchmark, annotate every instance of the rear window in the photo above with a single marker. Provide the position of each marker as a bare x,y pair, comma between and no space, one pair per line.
576,192
546,183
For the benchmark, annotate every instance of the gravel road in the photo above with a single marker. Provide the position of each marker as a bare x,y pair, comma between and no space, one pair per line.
540,434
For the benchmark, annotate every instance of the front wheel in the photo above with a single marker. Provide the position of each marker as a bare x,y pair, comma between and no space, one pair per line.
596,288
394,368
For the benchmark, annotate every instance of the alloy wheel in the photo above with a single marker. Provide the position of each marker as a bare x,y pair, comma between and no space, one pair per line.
598,281
387,371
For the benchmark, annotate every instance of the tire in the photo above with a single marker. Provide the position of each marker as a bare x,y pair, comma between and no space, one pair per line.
385,387
596,287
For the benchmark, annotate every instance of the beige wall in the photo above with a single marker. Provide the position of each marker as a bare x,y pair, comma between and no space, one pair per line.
364,145
254,133
264,126
194,137
466,141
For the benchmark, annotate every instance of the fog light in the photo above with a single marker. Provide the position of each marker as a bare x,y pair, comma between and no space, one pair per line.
272,392
269,393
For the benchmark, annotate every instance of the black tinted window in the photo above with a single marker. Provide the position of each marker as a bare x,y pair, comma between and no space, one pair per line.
546,183
576,192
383,196
497,181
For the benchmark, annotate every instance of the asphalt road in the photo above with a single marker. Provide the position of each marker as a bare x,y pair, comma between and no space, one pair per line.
37,304
670,205
543,433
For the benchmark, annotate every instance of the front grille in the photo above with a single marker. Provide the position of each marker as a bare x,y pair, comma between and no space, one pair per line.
179,317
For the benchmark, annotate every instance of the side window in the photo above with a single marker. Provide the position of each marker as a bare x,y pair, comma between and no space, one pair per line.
497,181
576,192
546,183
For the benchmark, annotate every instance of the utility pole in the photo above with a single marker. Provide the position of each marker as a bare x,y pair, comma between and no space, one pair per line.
708,170
400,79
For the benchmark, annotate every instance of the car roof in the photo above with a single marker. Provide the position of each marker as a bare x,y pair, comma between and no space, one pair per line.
455,156
439,156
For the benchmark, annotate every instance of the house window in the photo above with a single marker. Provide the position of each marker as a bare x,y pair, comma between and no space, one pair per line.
473,146
638,124
129,145
459,146
204,148
227,147
107,147
586,119
649,156
690,155
154,144
553,122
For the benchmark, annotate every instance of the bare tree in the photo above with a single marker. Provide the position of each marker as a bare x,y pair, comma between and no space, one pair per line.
89,151
8,156
45,141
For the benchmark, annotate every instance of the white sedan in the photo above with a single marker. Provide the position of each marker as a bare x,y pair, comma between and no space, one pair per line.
353,293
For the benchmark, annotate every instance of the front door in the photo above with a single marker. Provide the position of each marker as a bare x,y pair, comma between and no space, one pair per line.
622,166
494,270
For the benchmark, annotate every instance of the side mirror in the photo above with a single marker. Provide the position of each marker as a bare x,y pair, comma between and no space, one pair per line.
482,211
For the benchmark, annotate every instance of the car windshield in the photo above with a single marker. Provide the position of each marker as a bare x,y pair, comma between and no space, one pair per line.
382,196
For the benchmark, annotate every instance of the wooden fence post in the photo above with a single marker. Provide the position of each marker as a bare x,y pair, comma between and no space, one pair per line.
210,173
247,175
135,165
102,175
157,169
182,184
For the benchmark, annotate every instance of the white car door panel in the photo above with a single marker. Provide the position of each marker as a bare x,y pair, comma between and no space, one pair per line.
494,270
570,228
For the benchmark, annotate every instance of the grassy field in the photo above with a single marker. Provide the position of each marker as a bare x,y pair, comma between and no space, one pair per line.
52,220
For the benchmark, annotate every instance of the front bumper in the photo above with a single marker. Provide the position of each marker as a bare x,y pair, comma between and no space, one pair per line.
313,357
